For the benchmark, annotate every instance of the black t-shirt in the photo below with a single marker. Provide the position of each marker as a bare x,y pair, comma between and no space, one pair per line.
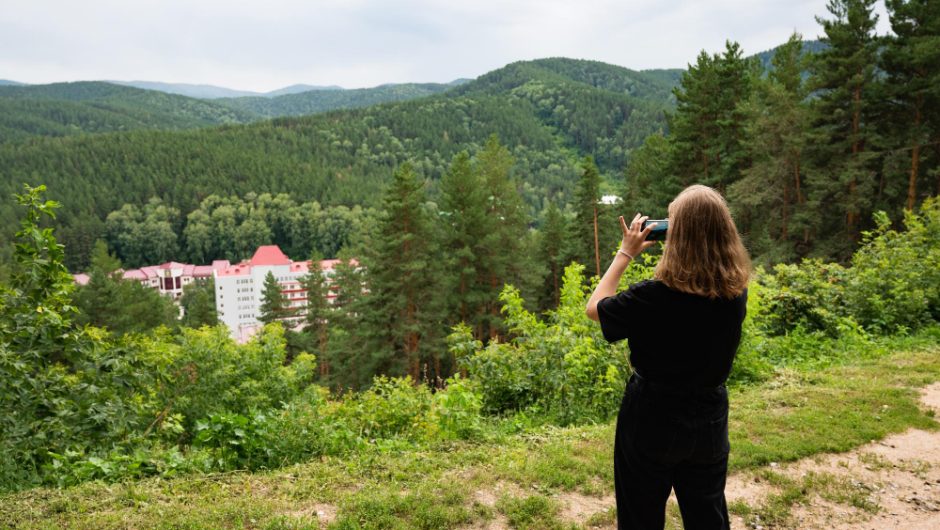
675,337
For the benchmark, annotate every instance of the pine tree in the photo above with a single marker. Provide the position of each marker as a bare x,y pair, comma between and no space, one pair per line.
122,306
316,312
843,177
769,201
911,61
465,226
551,254
650,183
274,305
198,303
502,251
706,129
346,341
403,280
584,230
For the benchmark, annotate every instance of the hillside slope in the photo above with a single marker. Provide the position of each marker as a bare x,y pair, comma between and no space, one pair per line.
550,113
317,100
62,109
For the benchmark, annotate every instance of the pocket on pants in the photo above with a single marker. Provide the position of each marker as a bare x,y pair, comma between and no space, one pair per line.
652,432
718,428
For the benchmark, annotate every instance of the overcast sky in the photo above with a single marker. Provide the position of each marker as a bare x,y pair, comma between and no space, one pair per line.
264,45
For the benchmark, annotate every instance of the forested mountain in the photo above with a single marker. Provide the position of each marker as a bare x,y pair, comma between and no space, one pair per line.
7,82
297,89
766,57
62,109
548,112
188,89
314,100
215,92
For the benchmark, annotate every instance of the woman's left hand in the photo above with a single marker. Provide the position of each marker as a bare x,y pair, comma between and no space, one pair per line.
634,239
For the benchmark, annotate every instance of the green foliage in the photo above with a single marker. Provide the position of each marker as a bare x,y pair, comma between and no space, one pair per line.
144,236
274,304
891,286
457,409
315,101
895,280
122,306
66,109
389,408
198,303
561,367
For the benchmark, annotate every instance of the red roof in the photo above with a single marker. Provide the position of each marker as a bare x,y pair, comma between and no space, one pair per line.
269,255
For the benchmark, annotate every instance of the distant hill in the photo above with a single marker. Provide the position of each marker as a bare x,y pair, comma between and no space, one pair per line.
7,82
809,46
297,89
63,109
595,74
189,90
323,100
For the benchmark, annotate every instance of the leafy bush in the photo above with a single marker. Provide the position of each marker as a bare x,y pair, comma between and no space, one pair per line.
561,367
892,286
391,407
894,283
809,295
456,410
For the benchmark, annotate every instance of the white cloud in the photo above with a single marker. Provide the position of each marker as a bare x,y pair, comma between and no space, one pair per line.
266,45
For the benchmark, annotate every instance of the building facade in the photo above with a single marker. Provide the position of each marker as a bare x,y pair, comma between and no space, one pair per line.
239,288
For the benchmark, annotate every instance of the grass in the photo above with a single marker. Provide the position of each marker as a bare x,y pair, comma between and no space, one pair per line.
792,416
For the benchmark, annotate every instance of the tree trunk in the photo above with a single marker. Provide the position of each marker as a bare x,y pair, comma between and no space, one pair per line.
785,213
915,162
597,249
851,215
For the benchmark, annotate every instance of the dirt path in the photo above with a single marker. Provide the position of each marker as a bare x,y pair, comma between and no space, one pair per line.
897,478
890,484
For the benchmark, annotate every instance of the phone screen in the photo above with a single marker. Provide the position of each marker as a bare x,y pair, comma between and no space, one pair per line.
659,231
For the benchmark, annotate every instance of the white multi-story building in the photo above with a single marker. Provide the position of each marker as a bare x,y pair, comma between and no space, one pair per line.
239,288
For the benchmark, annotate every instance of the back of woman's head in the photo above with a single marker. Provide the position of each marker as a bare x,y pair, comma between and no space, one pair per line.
703,254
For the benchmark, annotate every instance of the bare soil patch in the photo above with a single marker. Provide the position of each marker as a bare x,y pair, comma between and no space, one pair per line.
899,474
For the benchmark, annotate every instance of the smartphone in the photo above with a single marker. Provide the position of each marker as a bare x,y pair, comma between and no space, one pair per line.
659,231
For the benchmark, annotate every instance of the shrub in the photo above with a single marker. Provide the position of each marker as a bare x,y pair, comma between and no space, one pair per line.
391,407
456,409
561,367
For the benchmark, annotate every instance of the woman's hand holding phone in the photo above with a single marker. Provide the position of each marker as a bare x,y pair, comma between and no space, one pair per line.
634,236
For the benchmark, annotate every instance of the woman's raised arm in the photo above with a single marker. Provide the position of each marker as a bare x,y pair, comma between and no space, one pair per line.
634,242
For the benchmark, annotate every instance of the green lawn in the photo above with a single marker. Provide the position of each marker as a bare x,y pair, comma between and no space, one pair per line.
794,415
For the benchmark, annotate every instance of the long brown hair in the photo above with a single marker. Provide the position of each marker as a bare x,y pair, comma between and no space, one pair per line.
704,254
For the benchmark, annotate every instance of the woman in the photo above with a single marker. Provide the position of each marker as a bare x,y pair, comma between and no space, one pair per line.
683,328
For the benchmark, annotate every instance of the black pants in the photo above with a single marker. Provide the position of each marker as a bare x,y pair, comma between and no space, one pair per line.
671,438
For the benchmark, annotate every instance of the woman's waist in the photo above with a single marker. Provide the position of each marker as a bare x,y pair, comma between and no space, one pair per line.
678,399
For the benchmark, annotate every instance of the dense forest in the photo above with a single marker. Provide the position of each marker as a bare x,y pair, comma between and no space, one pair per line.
316,101
63,109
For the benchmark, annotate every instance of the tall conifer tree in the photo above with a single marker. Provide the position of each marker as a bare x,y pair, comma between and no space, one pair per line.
503,249
403,278
274,305
316,312
707,127
843,179
769,201
911,60
585,229
551,255
465,226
